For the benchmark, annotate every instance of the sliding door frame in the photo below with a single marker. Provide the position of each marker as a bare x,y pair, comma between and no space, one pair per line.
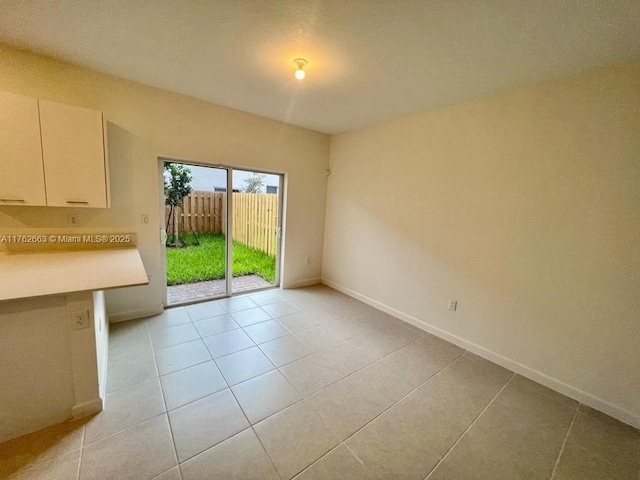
229,233
228,226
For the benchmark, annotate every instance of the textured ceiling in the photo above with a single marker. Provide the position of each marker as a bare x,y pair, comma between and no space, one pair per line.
369,60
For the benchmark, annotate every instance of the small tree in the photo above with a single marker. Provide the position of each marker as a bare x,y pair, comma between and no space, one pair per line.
253,183
177,180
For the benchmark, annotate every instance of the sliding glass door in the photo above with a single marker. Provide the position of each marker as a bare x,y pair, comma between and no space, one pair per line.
222,228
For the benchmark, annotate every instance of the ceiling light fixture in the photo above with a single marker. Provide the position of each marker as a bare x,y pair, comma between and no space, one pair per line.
300,63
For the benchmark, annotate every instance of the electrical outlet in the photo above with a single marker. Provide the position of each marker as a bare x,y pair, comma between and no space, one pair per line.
74,219
80,319
453,304
145,219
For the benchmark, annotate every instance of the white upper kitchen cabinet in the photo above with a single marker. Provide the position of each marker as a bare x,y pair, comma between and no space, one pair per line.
21,169
73,147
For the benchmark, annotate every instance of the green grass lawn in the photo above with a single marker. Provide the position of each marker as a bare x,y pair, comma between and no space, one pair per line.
206,262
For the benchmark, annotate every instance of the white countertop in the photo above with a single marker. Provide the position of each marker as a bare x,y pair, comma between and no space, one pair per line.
36,274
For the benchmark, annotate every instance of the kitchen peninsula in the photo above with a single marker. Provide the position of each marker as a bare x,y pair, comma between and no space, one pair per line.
54,329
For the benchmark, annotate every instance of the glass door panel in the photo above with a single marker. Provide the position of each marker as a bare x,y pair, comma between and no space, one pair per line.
196,227
255,219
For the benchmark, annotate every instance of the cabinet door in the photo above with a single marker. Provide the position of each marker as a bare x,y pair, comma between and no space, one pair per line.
73,151
21,173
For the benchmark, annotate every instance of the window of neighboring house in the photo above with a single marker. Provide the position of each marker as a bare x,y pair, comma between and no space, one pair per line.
272,189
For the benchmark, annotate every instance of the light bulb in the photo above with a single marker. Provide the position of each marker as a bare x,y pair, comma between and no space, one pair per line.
300,63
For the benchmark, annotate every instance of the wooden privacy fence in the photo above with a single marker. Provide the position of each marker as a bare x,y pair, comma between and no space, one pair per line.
255,217
201,212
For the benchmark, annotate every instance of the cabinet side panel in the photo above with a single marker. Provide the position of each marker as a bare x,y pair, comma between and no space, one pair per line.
101,327
22,176
36,378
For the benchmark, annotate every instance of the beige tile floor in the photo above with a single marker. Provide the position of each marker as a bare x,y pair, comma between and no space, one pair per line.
311,384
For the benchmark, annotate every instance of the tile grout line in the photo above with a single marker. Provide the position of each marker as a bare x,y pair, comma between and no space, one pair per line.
164,403
340,444
365,366
341,342
100,439
178,370
394,403
165,412
469,427
229,387
199,398
344,442
605,460
302,400
265,450
200,337
84,431
602,459
251,426
129,386
356,457
564,442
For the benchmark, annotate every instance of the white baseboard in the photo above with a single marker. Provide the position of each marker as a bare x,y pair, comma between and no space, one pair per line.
134,314
86,408
528,372
302,283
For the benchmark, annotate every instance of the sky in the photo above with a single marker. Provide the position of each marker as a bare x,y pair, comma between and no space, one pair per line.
206,178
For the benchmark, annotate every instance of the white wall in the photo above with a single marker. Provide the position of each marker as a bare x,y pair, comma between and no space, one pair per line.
48,370
36,374
525,207
146,122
